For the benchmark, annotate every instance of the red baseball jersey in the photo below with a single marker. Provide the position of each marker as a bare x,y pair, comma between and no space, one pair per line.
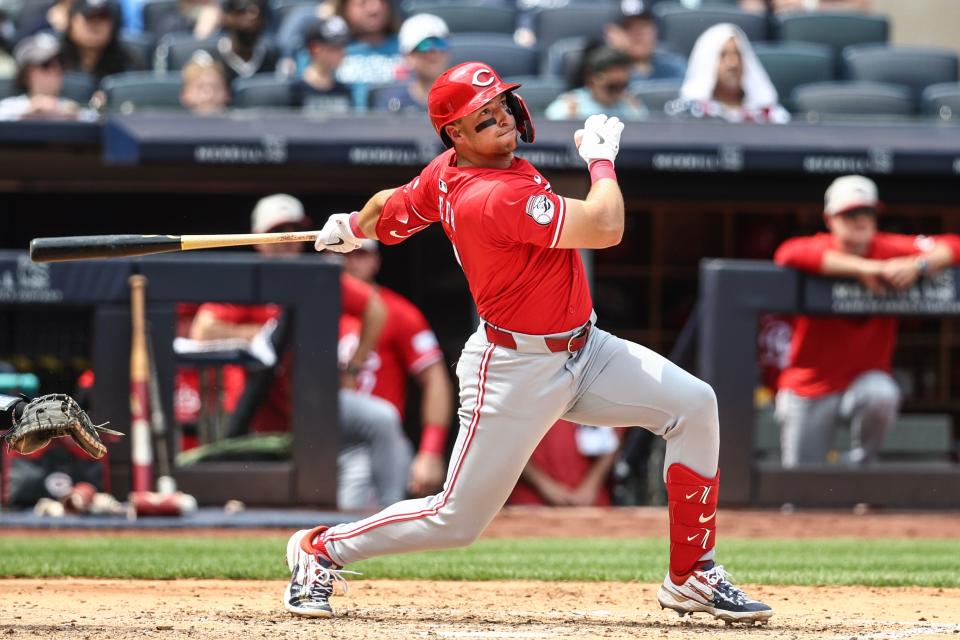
274,413
407,345
828,352
504,225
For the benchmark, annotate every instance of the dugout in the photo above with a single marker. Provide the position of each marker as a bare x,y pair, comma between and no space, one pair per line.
693,190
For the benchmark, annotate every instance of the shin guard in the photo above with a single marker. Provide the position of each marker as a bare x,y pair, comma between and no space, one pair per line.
692,503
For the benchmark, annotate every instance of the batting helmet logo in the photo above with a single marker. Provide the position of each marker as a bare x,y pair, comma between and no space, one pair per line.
465,88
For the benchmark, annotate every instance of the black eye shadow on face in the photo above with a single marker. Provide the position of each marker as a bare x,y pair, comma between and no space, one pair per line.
489,122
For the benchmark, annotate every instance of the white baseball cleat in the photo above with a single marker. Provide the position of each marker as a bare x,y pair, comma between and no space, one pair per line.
708,590
311,580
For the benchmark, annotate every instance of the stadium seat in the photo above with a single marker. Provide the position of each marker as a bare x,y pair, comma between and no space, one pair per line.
790,64
7,88
538,91
942,100
465,16
563,56
585,19
853,98
174,50
656,93
913,67
496,49
78,86
156,10
142,44
835,29
139,89
262,90
680,27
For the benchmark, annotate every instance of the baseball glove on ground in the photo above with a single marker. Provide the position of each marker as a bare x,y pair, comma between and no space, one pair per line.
52,416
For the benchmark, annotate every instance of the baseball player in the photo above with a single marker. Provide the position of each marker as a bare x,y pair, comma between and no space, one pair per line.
536,356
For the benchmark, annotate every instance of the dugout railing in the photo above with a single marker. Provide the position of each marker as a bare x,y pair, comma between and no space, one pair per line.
309,290
732,294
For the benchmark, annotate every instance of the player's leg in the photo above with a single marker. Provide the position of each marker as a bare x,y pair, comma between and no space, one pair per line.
507,402
375,423
620,383
354,482
807,427
871,405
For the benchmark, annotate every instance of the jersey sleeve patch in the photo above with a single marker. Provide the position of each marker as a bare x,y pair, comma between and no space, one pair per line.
541,209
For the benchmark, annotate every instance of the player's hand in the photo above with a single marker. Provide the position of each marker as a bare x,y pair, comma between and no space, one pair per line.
426,474
336,235
871,276
599,139
900,272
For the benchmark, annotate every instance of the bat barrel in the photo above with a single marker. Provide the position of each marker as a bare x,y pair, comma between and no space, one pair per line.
111,246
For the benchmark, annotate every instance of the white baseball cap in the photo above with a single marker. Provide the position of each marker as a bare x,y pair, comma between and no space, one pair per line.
275,210
420,27
850,192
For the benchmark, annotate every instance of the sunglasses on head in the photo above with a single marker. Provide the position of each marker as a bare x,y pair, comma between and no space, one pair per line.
431,44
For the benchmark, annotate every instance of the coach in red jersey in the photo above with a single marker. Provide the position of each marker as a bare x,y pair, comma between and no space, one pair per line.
537,355
839,367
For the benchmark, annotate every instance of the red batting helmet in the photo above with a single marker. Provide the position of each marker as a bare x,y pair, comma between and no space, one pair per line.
467,87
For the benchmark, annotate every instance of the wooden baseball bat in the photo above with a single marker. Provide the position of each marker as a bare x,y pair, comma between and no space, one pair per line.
158,421
141,448
117,246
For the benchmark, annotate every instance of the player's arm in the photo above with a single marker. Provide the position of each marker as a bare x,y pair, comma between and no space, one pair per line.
208,326
371,325
935,254
586,492
597,221
369,215
428,471
552,492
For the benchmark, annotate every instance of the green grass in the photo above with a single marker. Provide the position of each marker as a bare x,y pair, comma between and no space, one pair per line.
929,563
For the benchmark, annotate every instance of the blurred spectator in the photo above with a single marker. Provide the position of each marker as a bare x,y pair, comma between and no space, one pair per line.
318,89
373,55
725,80
199,17
838,369
635,33
364,421
54,17
39,80
91,43
8,36
606,78
791,6
426,53
244,49
205,89
570,467
407,347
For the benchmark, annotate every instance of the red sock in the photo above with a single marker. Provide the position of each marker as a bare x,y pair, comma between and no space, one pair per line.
313,544
692,501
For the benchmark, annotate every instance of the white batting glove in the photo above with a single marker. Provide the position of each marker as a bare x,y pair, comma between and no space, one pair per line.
599,139
336,235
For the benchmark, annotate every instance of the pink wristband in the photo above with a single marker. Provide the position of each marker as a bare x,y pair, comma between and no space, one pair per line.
433,439
602,169
355,225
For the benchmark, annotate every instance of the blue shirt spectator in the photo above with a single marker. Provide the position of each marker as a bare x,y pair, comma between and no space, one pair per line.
606,78
426,54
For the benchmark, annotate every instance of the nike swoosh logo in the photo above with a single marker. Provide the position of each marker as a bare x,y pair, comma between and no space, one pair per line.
687,497
600,138
708,518
335,244
691,538
403,236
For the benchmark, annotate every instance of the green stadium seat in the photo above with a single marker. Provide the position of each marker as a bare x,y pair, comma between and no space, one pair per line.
141,89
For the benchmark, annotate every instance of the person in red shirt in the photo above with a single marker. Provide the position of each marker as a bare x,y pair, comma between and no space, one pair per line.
536,355
407,347
839,367
364,421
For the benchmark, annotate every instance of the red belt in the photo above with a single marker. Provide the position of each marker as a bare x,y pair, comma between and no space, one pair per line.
571,344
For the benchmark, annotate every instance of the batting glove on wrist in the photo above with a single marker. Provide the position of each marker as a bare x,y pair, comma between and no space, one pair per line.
599,139
336,235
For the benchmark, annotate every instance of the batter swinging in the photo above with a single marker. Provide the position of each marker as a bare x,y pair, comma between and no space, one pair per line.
537,355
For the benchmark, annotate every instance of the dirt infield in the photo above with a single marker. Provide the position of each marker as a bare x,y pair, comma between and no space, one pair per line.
375,609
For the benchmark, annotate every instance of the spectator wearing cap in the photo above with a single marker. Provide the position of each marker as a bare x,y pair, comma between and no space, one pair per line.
793,6
244,50
635,33
318,89
839,367
39,80
606,77
91,43
204,89
725,80
426,53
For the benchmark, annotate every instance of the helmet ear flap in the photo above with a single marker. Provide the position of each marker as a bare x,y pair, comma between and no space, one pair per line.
522,115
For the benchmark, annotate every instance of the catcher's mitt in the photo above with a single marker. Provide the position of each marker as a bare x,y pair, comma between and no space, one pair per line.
52,416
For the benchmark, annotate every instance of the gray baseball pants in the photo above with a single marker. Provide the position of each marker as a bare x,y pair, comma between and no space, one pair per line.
807,425
508,400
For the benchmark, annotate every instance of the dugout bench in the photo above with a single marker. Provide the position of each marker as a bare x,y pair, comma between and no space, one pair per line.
732,294
308,287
